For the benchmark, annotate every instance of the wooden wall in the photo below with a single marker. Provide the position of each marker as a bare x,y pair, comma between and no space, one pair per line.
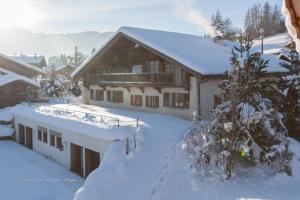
15,92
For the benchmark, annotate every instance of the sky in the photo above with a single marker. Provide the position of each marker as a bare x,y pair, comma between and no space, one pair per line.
64,16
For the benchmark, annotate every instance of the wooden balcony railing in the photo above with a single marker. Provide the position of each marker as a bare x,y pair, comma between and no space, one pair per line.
161,79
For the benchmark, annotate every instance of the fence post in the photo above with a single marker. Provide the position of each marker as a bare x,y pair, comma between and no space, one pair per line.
137,122
134,139
127,146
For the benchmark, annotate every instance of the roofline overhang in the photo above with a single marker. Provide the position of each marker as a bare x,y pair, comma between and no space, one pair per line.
79,74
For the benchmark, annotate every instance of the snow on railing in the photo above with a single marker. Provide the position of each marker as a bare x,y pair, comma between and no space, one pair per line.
91,117
80,114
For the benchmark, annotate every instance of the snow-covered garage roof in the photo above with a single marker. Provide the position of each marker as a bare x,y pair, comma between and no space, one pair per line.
202,55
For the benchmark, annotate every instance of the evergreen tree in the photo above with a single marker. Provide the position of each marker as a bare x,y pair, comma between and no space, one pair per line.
76,89
246,126
288,94
77,59
267,18
252,23
223,25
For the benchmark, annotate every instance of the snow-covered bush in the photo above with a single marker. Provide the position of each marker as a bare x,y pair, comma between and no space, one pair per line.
55,85
246,128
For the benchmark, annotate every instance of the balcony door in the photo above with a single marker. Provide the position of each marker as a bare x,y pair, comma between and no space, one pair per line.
178,76
137,69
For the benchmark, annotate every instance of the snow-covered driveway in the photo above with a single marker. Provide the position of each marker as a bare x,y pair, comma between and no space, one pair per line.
27,175
142,174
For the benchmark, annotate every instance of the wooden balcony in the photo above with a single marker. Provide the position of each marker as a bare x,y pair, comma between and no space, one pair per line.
133,79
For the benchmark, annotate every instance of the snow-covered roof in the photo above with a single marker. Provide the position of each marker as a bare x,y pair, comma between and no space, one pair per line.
82,124
9,77
200,54
64,66
31,59
26,65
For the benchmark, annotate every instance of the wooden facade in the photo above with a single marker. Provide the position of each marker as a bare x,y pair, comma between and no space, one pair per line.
17,92
126,63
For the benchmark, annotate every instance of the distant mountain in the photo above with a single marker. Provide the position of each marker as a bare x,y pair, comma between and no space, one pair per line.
18,40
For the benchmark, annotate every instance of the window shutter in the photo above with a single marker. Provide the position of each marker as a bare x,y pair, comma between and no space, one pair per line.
173,99
147,101
156,102
166,99
186,100
108,98
92,94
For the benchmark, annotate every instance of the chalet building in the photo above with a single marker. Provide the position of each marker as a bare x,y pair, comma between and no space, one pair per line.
35,60
292,12
156,71
17,81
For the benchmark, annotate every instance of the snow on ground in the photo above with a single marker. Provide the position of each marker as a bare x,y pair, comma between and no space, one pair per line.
5,115
273,44
6,130
160,169
139,175
25,174
183,183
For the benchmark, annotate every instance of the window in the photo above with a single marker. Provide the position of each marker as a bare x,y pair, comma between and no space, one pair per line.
56,139
217,100
137,69
154,66
42,134
115,96
39,135
92,95
99,95
108,96
136,100
52,140
59,143
45,137
152,101
169,68
181,100
176,100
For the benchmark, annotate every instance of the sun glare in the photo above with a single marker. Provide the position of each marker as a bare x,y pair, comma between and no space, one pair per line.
18,13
